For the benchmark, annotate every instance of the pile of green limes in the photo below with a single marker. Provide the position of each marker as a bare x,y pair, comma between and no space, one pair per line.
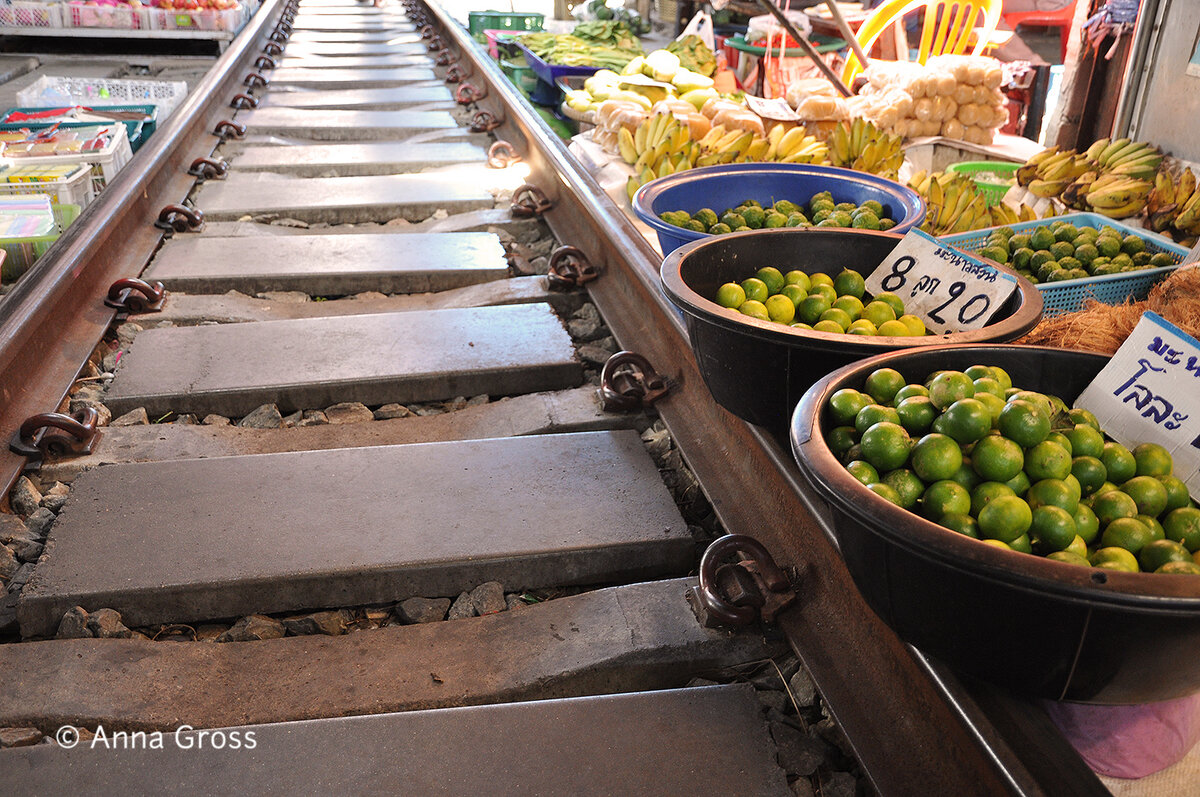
822,211
1061,251
820,302
1016,469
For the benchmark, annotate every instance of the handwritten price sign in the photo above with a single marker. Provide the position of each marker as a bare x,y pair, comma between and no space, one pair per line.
948,289
1150,393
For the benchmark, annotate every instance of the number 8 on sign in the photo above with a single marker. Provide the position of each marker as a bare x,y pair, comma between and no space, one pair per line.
948,289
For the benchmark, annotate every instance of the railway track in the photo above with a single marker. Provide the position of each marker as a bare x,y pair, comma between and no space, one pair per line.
360,443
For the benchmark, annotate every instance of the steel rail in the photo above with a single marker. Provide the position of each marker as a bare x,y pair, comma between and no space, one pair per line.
914,727
55,316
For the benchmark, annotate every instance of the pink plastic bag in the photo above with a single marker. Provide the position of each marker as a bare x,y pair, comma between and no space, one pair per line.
1130,741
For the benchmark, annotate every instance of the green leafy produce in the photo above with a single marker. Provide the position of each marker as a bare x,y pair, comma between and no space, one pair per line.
565,49
694,54
613,33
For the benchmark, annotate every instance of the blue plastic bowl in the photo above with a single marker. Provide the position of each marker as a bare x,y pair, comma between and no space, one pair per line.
721,187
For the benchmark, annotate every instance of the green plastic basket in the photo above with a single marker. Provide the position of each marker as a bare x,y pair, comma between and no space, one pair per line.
24,252
479,21
992,191
520,73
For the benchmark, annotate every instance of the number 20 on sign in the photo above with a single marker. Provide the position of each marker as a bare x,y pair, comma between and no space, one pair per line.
948,289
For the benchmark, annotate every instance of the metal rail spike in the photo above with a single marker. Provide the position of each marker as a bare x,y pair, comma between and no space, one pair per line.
502,154
739,594
529,201
133,295
570,268
179,218
209,168
36,438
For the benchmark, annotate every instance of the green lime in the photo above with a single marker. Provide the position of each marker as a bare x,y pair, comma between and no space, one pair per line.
943,498
843,406
1183,525
1005,518
997,459
986,492
1177,492
850,283
1052,528
793,292
828,325
1126,532
839,317
1087,525
1152,460
1089,472
910,390
936,457
863,471
1119,462
882,384
892,300
916,414
962,523
841,439
886,446
908,486
851,304
950,386
820,278
810,308
1180,568
1019,483
915,325
1062,440
780,308
756,289
877,312
1148,493
1086,441
1051,492
884,491
872,414
966,420
862,327
1114,558
754,309
1069,557
799,279
1113,505
1047,460
1024,423
731,295
772,277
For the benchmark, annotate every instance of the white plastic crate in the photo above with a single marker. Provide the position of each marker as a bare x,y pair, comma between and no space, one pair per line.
228,20
53,92
74,189
104,163
23,14
83,15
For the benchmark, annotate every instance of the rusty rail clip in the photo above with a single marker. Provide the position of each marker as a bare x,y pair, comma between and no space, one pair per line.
485,122
133,295
179,218
253,79
34,439
445,58
208,168
456,74
427,32
241,101
227,129
468,93
529,201
264,62
570,268
739,594
272,49
628,382
436,44
501,154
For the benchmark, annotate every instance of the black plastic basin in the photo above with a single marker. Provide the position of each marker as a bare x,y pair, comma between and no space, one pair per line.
758,370
1036,626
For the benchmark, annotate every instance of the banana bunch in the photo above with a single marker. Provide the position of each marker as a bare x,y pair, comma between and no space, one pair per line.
1173,205
1118,197
1126,158
663,145
866,148
1111,177
955,204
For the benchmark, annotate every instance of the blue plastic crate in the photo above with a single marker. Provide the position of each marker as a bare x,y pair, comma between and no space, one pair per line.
1069,295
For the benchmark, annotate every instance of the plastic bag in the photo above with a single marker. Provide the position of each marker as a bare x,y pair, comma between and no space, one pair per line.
1130,741
702,26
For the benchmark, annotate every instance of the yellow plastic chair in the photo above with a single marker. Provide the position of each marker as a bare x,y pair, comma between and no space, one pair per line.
947,29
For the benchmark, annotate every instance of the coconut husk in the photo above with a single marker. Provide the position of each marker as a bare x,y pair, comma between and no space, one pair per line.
1103,327
1177,299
